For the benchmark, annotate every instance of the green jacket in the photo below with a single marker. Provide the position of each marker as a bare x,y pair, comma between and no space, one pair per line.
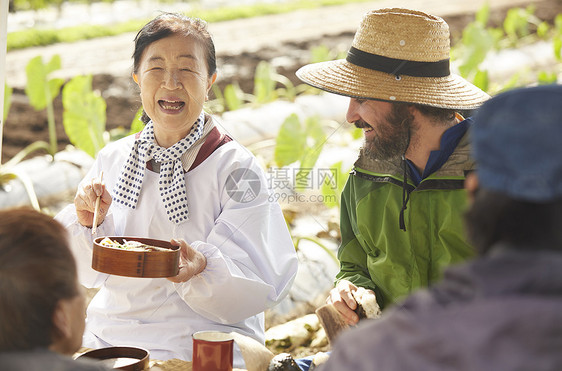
375,252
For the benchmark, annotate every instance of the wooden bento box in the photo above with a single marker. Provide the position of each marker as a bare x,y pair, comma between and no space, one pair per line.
162,261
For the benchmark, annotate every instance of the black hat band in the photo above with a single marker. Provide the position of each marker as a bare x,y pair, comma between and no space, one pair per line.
398,66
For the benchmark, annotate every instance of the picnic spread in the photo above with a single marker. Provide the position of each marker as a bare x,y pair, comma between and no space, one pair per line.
256,356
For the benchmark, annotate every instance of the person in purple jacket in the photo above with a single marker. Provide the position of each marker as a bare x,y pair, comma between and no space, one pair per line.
502,310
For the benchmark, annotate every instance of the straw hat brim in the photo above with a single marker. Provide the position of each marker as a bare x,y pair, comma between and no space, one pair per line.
344,78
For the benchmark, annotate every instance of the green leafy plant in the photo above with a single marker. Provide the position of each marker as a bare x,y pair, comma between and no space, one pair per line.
333,188
137,124
297,240
39,37
264,83
322,53
476,42
231,99
314,239
41,92
5,176
121,132
517,23
546,78
481,79
557,38
30,4
514,81
519,26
84,115
302,142
268,87
9,173
215,105
543,29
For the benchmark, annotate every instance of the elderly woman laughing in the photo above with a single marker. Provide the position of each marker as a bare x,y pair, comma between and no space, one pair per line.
180,179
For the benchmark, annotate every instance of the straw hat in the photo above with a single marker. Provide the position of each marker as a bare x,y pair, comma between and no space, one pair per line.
397,55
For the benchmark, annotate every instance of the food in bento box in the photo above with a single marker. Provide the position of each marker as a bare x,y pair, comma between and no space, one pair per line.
130,245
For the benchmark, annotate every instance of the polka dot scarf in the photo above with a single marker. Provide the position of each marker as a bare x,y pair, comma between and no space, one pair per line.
171,182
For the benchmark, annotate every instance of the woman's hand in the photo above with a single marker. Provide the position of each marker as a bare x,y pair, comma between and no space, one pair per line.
85,203
192,262
343,298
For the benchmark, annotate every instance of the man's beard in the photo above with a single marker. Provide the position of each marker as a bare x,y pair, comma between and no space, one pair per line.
392,137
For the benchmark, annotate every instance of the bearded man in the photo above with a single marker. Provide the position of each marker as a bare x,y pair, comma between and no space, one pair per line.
401,215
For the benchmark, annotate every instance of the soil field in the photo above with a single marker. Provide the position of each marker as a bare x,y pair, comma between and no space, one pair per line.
25,125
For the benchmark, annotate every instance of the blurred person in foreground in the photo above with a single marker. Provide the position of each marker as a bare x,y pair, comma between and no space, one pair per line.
401,215
502,310
181,179
42,305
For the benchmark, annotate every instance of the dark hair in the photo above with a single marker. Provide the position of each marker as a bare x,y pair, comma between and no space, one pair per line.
437,113
494,218
167,24
37,270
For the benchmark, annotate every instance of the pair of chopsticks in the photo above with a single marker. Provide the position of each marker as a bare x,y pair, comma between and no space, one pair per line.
97,209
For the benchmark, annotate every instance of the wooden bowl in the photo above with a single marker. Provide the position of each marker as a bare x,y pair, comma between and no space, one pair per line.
152,264
120,358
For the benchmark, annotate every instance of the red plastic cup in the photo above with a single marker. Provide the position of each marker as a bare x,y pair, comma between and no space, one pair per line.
212,351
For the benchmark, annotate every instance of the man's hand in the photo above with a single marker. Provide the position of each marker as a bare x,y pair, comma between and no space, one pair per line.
192,262
344,298
85,203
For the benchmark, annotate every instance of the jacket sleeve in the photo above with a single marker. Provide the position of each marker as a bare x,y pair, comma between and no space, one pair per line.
251,259
351,254
81,238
